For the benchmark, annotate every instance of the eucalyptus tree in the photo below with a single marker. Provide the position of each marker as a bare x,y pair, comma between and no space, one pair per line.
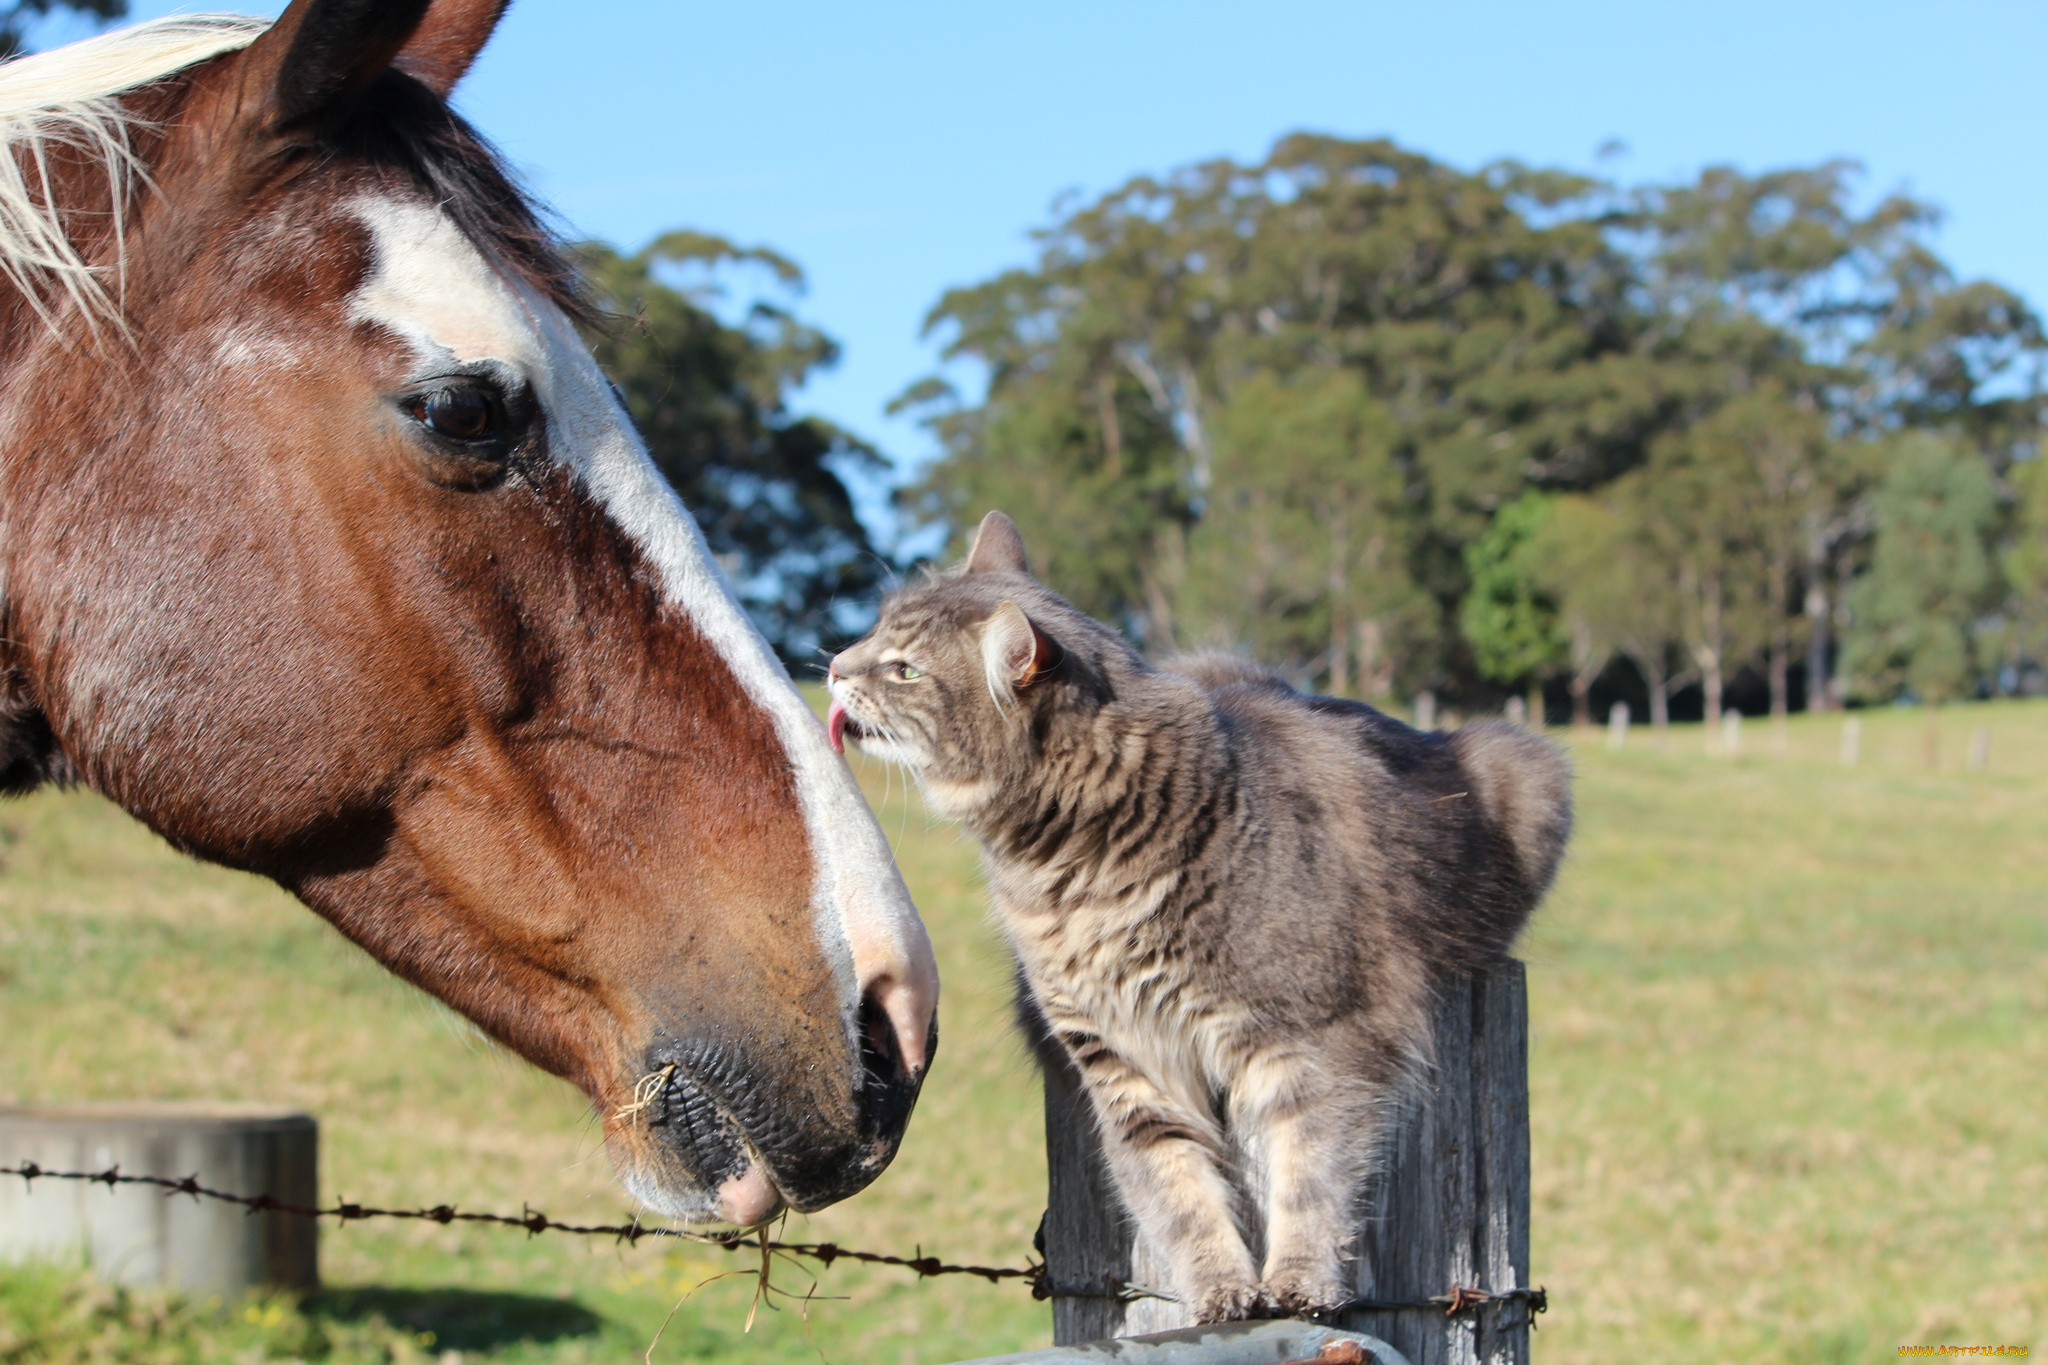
1286,404
1691,512
1301,551
1931,575
16,16
1615,594
1822,329
1510,615
1480,325
1770,454
2024,565
712,400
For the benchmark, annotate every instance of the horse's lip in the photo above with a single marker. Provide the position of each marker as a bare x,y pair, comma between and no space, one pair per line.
710,1118
686,1115
720,1144
755,1191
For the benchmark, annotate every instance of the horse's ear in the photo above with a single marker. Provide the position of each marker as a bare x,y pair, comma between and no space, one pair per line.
998,547
316,61
448,40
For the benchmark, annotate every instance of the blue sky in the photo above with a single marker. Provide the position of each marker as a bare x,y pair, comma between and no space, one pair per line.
897,149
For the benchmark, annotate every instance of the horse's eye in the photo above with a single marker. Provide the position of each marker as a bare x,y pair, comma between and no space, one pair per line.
460,413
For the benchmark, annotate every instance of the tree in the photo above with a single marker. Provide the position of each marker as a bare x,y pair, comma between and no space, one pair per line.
1489,344
1510,615
1583,561
1769,449
1691,506
1295,405
17,15
1930,573
712,401
2024,561
1614,594
1876,313
1299,552
1806,332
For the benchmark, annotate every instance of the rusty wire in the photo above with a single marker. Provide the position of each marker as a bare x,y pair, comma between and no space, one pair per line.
1036,1273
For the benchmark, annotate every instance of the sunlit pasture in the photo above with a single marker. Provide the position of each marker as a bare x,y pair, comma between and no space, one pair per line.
1790,1025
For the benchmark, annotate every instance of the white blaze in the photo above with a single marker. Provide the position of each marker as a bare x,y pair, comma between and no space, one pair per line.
431,286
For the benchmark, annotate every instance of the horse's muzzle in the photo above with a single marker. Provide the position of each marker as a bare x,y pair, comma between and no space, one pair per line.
750,1147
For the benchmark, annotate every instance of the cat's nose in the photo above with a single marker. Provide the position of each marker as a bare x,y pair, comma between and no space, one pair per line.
832,674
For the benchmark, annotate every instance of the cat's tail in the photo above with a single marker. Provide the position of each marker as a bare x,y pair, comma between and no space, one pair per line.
1523,784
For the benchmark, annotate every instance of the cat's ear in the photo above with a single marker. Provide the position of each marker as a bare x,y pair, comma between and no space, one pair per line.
998,547
1015,652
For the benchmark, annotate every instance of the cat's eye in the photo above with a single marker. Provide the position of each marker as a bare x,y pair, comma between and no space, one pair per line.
909,672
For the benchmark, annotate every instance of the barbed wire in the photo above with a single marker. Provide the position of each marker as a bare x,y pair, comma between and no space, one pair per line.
1459,1300
532,1220
1036,1273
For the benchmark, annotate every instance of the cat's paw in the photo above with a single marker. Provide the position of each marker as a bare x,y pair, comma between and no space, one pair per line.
1305,1289
1226,1302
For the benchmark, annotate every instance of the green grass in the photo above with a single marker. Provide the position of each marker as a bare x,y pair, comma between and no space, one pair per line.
1790,1040
1790,1058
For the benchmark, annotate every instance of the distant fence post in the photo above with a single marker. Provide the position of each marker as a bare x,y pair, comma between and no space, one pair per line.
1449,1211
138,1235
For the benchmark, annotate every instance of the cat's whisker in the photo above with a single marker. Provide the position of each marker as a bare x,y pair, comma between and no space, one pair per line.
903,821
888,788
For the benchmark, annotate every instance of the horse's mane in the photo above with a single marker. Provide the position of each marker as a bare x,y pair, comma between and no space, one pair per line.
68,101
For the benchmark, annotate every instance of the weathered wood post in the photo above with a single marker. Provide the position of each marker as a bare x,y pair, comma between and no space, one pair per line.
138,1235
1449,1211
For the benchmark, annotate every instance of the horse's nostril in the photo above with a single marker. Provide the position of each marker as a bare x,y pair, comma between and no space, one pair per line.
880,1051
889,1085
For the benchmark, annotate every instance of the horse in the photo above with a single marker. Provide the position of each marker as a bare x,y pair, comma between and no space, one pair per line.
329,553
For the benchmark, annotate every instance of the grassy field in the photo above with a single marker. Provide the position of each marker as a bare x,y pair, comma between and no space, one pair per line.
1790,1080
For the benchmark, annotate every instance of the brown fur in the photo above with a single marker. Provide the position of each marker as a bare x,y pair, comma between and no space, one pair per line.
454,716
1230,902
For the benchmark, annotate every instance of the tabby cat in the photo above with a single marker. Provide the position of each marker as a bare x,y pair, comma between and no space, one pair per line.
1229,901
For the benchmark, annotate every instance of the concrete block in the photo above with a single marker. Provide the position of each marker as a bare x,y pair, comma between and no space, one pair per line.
140,1235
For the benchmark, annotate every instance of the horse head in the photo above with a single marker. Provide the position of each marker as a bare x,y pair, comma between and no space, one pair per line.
327,550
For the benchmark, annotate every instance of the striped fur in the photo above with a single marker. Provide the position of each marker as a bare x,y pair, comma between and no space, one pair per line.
1229,901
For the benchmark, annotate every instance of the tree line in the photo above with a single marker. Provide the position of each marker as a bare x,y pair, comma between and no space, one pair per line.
18,16
1393,426
712,396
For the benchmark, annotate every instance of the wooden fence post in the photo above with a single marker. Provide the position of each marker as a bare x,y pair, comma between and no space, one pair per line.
1449,1210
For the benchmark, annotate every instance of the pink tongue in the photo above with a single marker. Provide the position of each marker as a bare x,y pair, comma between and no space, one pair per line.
835,726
